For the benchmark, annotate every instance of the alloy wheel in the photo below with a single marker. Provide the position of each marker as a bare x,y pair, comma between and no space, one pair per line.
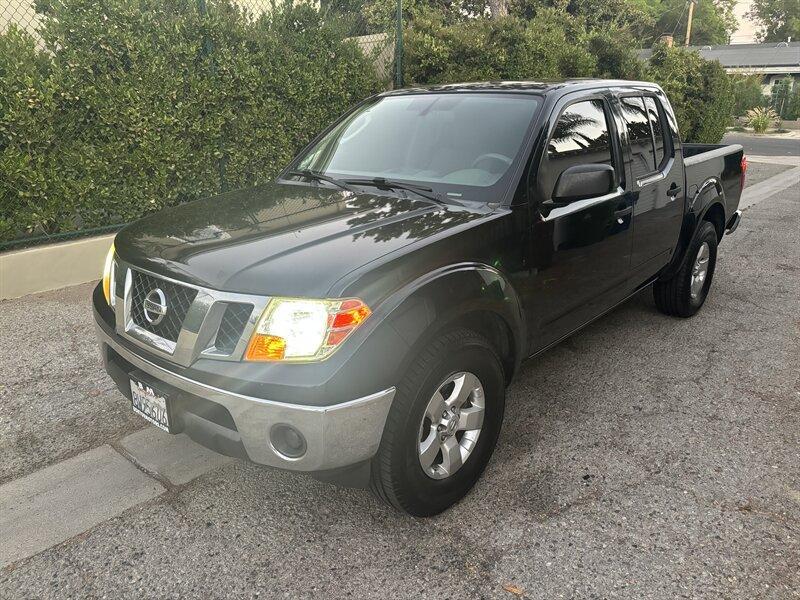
451,425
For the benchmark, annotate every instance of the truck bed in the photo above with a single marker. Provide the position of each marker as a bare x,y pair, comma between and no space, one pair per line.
717,163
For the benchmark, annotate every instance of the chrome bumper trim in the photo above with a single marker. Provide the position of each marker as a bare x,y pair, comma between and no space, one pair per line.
337,436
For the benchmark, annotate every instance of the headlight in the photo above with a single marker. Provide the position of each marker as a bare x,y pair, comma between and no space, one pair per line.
109,274
301,329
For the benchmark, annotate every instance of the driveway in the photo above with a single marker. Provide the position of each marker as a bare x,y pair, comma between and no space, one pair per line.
645,457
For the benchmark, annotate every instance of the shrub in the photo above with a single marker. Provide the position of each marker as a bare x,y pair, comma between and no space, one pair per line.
491,49
111,122
761,118
614,56
700,92
748,93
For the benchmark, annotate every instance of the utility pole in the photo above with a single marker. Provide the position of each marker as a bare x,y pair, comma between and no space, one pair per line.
398,49
689,22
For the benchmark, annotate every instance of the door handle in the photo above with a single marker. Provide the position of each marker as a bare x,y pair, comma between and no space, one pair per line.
623,211
674,190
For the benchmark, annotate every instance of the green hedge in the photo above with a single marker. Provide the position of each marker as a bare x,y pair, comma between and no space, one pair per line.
134,105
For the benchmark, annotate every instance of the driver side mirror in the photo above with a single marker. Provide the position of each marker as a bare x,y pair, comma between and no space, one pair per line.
583,181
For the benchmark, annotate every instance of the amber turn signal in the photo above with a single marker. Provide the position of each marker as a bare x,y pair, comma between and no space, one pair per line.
266,347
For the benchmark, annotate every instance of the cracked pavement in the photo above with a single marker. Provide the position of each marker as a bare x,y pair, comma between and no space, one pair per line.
645,457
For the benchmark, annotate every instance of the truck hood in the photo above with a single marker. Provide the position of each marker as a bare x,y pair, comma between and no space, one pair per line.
281,239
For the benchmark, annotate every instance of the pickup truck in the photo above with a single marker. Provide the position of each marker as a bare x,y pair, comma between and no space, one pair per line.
360,317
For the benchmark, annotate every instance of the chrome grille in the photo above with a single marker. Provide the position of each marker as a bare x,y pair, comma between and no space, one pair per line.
178,300
198,322
232,325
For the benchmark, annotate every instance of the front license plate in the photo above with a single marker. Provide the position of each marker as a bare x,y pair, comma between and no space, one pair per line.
149,404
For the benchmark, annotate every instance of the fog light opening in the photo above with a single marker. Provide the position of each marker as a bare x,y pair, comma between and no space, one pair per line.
287,441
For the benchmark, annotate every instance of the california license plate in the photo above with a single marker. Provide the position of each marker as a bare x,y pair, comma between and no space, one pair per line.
149,404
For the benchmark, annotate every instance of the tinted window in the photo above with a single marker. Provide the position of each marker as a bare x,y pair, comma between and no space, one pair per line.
447,139
580,137
658,128
639,138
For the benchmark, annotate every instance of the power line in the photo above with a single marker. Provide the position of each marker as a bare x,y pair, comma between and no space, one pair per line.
685,7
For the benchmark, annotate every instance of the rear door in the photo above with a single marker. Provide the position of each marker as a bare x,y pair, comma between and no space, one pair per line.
580,253
655,168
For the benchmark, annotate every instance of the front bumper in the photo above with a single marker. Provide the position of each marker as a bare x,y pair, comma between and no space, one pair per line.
336,436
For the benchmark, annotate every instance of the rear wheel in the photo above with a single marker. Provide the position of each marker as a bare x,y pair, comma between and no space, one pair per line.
685,292
443,425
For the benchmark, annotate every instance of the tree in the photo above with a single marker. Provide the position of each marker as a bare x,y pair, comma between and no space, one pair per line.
381,14
645,20
781,99
498,8
779,19
713,20
633,16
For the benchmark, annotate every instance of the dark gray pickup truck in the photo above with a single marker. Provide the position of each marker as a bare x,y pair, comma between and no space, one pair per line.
360,317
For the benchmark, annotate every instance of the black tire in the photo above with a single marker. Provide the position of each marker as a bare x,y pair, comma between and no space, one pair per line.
398,477
673,296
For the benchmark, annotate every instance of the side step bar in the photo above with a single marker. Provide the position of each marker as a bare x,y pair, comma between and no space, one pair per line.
734,222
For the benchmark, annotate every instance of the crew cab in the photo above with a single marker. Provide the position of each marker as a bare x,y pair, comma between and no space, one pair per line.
360,317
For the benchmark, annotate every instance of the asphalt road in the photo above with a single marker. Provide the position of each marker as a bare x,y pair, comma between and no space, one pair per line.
646,457
764,145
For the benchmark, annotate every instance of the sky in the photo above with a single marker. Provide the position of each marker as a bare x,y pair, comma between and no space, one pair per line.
746,32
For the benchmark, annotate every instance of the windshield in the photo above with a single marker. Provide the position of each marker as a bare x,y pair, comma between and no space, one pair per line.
459,144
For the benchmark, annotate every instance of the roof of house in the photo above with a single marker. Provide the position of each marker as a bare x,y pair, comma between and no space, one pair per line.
781,54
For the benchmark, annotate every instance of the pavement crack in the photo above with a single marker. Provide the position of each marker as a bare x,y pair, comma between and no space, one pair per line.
120,449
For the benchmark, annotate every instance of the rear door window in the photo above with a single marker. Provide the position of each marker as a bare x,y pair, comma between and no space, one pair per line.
580,137
640,140
658,129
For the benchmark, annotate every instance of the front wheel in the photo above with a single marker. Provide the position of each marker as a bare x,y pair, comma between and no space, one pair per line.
685,292
443,425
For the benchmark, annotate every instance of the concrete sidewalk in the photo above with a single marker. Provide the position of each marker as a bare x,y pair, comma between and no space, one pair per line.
54,504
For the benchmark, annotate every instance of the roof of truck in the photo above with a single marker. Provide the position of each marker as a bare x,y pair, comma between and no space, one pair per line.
538,87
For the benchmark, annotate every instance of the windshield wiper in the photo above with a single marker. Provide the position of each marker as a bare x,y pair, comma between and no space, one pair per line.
390,184
320,177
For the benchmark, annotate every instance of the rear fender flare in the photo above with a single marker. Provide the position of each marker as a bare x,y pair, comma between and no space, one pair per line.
707,195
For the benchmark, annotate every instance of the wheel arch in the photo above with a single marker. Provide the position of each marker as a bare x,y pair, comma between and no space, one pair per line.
706,204
715,214
472,295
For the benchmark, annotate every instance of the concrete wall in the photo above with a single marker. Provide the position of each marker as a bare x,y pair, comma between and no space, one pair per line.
378,47
51,267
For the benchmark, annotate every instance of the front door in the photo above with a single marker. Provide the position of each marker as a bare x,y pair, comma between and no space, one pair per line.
580,252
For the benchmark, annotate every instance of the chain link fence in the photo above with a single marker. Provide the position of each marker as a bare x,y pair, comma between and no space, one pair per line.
114,109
